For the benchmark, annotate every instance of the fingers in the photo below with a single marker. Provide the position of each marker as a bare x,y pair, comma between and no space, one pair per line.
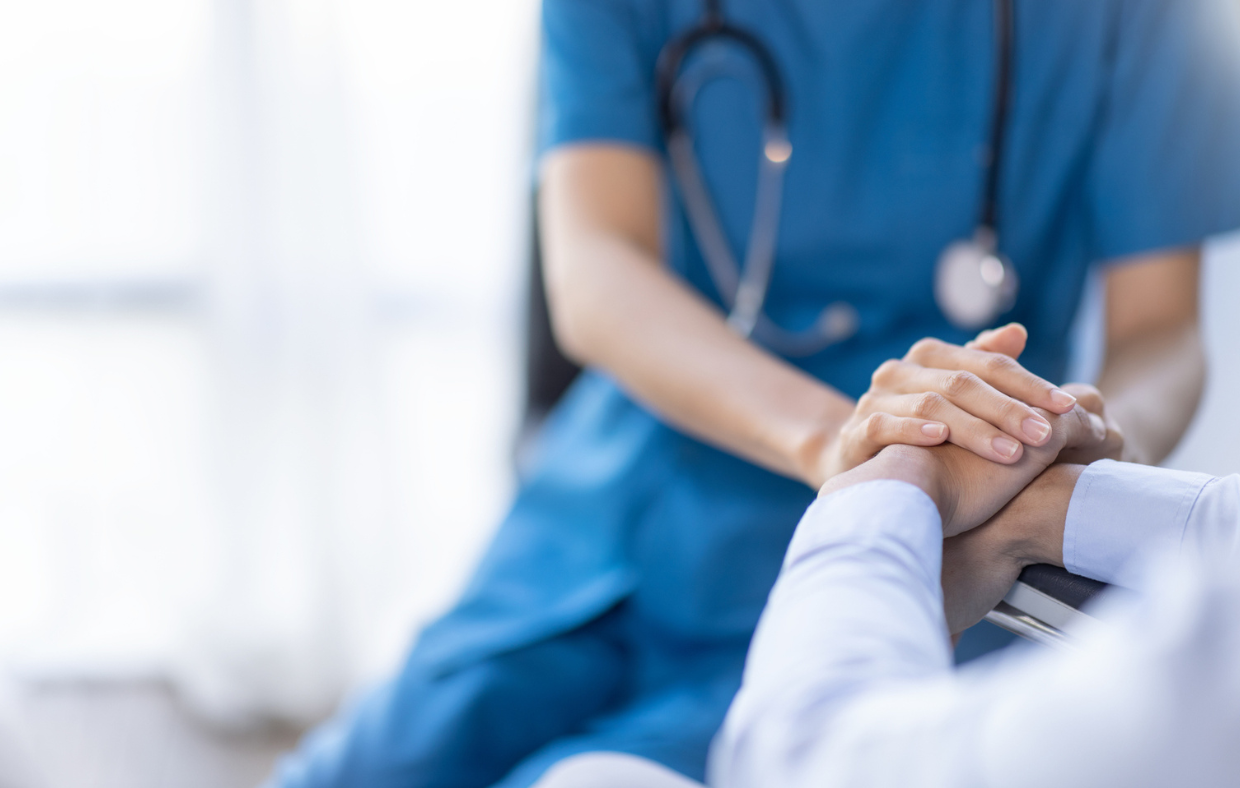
1089,397
1077,429
964,429
1000,371
1112,447
881,429
1009,340
971,394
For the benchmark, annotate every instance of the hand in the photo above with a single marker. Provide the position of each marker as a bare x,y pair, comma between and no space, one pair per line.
967,489
980,566
1112,448
977,489
977,397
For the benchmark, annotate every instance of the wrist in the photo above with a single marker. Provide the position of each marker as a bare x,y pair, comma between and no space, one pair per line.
914,465
814,452
1038,516
810,453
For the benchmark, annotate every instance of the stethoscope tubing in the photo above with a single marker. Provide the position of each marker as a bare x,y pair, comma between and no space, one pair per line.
743,289
1005,42
714,27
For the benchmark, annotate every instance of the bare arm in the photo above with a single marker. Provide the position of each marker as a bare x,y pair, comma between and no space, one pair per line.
615,306
1154,371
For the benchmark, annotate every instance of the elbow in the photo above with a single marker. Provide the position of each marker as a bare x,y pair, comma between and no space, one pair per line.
570,317
570,337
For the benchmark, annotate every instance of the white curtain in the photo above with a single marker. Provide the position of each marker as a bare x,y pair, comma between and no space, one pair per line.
254,454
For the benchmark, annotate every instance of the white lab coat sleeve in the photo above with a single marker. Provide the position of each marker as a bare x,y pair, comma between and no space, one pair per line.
1123,516
856,615
849,682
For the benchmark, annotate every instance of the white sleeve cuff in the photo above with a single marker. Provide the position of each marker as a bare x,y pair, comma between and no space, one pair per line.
1122,514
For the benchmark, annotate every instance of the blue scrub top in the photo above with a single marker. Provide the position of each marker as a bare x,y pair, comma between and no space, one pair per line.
1124,137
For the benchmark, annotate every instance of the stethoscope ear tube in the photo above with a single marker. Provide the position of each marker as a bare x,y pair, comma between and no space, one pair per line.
673,114
742,288
763,234
974,283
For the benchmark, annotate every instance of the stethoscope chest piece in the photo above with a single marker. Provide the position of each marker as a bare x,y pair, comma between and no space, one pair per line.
973,283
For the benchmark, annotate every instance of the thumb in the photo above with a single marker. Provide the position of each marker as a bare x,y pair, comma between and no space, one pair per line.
1009,340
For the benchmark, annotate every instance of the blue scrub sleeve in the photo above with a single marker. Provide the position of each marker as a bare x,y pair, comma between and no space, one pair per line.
597,74
1166,170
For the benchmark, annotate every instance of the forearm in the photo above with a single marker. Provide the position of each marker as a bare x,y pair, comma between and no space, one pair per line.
1152,385
616,307
1154,368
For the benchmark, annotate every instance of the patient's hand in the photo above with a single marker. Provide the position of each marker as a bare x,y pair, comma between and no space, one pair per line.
977,489
968,489
980,565
1111,447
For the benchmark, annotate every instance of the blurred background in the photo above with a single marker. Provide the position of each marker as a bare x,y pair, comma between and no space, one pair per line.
262,289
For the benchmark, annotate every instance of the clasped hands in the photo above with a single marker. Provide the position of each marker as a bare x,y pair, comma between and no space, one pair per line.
1001,511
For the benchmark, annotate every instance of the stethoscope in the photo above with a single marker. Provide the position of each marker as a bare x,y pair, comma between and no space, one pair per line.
974,283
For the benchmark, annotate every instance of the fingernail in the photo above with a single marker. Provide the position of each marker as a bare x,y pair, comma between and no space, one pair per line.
1036,429
1005,446
935,431
1062,399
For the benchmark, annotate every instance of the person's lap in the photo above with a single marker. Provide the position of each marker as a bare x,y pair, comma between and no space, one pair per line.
503,721
467,727
672,728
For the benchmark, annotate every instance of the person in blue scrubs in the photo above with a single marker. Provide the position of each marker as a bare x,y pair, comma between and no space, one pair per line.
615,606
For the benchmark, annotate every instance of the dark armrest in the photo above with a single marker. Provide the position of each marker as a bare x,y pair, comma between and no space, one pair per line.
1044,602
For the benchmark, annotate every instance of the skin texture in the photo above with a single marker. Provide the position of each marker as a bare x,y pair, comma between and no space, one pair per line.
979,566
614,305
968,489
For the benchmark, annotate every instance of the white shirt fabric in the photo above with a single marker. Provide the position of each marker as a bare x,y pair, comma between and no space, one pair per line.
850,681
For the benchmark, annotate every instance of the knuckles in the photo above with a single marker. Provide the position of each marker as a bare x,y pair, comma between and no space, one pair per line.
866,402
959,383
923,347
1013,412
997,363
928,404
1072,429
874,426
886,373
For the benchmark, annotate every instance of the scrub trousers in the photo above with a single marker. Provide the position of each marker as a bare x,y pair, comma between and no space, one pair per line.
615,684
